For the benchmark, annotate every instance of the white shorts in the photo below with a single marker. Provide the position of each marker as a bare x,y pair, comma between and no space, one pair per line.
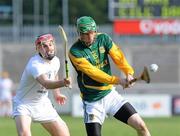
39,112
98,110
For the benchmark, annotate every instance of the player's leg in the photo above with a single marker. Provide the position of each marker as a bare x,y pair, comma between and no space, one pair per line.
57,127
50,119
136,122
128,115
3,109
94,116
8,110
93,129
0,108
23,125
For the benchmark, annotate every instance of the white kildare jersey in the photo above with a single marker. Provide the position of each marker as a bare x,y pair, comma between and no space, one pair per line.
29,89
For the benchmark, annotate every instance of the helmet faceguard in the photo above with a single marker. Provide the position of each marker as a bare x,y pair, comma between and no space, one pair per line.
86,24
43,40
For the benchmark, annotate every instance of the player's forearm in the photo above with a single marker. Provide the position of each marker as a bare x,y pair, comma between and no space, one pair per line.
50,84
54,84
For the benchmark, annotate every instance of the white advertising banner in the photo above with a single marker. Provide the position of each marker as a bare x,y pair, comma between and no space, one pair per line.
151,105
147,105
77,106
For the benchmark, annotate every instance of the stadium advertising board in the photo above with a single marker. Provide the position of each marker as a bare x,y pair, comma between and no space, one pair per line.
77,106
147,105
176,105
146,26
151,105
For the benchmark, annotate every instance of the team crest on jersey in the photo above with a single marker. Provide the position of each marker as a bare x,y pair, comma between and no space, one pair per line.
101,49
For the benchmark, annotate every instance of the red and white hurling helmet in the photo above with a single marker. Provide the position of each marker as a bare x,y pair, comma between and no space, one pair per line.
44,38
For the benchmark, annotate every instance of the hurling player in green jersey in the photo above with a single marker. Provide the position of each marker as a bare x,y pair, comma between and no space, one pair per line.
89,56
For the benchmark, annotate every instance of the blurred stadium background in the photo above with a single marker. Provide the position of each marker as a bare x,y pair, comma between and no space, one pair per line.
148,31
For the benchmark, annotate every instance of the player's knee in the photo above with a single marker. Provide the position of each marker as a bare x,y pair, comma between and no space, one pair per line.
141,129
137,123
141,126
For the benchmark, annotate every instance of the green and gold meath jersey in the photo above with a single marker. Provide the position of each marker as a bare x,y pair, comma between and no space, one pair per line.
93,67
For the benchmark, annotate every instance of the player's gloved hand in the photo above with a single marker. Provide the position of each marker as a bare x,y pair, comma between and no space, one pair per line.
129,78
67,82
123,82
60,99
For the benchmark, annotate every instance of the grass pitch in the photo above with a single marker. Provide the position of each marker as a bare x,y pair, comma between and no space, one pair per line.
157,126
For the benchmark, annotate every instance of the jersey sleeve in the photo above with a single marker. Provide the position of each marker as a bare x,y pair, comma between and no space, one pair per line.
82,64
36,69
120,60
117,55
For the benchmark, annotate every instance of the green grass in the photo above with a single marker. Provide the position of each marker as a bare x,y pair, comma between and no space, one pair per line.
111,127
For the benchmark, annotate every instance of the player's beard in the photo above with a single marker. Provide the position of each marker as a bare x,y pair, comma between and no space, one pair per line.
48,55
89,43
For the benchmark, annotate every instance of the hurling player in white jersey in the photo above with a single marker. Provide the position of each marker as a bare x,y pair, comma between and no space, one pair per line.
31,102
